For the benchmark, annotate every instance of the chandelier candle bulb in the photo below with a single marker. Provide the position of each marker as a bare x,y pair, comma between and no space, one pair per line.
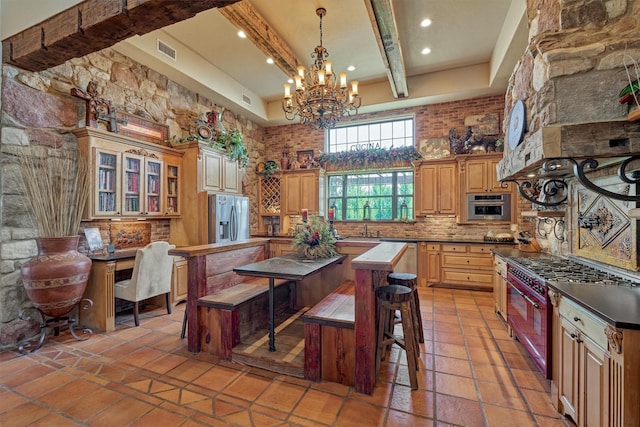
321,77
343,80
354,87
298,80
287,91
327,67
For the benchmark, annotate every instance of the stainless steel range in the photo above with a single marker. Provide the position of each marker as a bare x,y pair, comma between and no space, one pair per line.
528,306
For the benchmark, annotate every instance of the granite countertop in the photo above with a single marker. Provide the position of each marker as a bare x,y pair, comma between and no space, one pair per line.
617,305
405,239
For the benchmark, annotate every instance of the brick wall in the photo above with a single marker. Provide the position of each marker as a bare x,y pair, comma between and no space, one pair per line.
431,121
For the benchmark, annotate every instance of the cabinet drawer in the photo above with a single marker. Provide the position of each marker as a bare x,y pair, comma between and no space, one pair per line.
584,321
475,279
466,261
455,248
481,249
433,247
500,264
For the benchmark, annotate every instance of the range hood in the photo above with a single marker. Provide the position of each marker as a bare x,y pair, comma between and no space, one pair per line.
554,153
598,140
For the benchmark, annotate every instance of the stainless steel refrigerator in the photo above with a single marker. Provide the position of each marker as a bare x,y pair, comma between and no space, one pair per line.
228,218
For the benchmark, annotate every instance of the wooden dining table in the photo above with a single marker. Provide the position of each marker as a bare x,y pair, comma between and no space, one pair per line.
289,267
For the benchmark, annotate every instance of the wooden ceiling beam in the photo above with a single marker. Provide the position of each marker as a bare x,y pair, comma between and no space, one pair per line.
246,18
384,27
94,25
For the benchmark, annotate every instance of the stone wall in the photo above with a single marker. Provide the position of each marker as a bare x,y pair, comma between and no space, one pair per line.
37,108
571,73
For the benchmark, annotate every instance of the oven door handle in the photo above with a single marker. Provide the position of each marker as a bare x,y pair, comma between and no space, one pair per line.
522,294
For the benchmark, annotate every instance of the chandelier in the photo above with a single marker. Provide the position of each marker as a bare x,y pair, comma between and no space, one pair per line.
319,99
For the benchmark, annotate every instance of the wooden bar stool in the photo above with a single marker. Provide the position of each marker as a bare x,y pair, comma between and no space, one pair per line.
410,280
390,299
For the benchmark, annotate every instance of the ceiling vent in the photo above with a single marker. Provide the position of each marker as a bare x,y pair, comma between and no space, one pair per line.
246,99
166,49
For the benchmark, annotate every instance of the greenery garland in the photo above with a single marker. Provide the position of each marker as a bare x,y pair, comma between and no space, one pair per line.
371,158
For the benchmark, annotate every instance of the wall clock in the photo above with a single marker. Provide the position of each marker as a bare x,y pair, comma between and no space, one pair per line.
517,123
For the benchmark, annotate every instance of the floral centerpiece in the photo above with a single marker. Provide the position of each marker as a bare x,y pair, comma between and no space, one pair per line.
314,239
371,158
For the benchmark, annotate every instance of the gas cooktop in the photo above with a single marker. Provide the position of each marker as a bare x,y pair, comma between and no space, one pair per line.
566,270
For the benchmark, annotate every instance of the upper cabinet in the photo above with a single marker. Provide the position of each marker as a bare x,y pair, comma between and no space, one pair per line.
129,178
481,176
437,187
302,189
217,172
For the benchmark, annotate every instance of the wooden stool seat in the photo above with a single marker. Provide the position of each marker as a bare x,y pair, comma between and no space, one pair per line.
390,299
410,280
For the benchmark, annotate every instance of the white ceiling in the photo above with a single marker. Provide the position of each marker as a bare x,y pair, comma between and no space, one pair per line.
475,45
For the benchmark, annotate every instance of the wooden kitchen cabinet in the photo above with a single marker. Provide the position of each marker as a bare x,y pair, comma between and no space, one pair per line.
218,173
500,286
128,177
468,266
303,189
204,170
437,187
179,276
429,265
480,174
583,377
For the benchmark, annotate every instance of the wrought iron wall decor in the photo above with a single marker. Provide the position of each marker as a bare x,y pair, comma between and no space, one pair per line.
552,169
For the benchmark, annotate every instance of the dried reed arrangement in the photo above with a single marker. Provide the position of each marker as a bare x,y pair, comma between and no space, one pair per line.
56,183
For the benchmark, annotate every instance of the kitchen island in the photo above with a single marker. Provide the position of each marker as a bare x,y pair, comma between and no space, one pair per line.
369,269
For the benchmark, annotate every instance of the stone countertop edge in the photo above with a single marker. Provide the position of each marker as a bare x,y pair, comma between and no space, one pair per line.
402,239
619,306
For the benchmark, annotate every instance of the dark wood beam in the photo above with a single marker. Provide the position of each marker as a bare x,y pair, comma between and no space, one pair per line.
384,27
246,18
94,25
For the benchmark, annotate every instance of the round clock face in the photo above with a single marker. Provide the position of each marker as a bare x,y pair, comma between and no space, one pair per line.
517,122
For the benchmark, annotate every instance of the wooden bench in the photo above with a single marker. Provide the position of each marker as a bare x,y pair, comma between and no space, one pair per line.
233,313
329,346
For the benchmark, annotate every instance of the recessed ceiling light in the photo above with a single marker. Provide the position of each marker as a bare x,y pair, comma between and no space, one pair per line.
425,22
242,35
290,81
351,68
269,60
426,51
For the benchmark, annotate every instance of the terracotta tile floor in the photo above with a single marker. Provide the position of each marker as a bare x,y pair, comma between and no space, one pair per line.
472,374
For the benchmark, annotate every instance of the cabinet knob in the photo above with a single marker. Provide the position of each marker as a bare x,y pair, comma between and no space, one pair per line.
574,336
576,319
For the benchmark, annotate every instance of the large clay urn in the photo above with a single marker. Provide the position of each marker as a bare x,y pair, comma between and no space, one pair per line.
56,278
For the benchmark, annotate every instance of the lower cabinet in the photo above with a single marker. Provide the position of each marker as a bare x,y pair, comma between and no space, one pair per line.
468,266
500,286
179,280
595,380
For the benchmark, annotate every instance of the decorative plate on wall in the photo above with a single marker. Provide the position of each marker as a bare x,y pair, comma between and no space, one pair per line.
517,122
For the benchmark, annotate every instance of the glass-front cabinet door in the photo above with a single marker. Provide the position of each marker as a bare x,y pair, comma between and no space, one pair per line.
106,201
153,189
173,190
142,186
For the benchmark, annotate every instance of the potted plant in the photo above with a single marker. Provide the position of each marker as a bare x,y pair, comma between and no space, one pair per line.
57,188
231,141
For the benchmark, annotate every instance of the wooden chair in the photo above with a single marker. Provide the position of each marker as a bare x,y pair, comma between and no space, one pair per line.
151,277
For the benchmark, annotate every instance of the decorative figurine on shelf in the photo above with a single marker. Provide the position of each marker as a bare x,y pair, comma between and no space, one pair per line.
305,214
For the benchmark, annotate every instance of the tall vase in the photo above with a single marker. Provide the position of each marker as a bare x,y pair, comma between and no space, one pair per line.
56,278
